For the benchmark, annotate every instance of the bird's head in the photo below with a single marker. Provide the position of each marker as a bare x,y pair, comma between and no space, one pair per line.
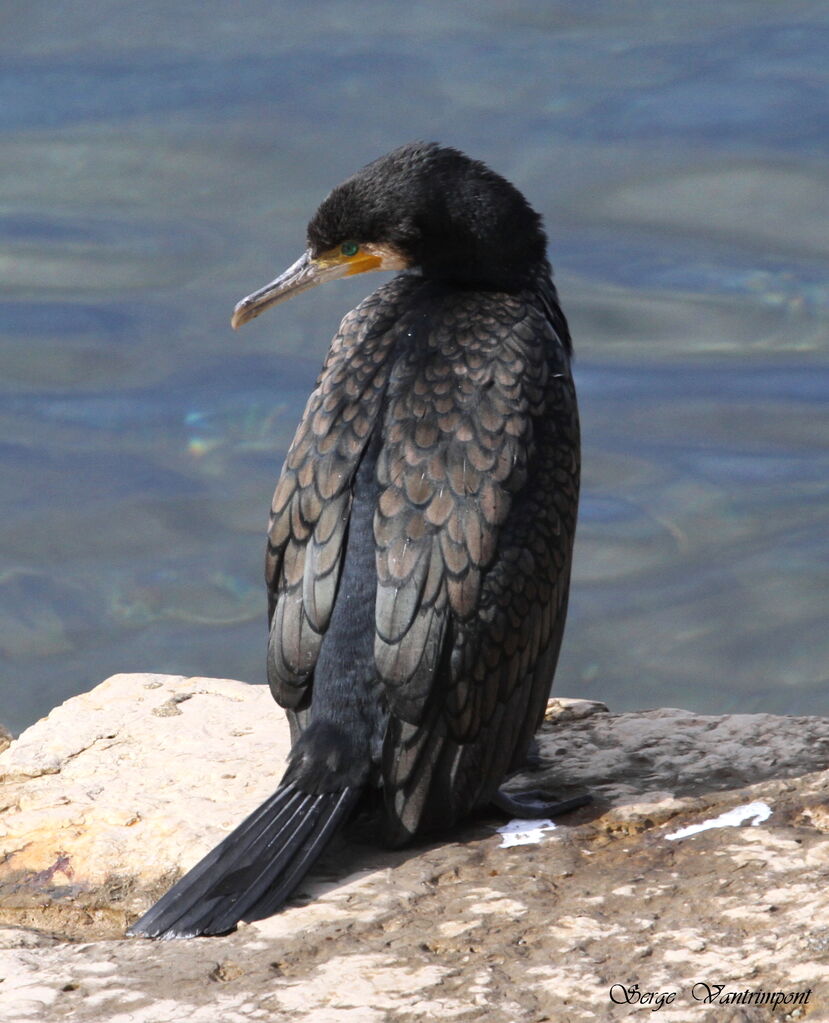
421,207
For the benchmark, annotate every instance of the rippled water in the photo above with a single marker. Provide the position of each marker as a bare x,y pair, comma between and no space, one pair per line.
159,161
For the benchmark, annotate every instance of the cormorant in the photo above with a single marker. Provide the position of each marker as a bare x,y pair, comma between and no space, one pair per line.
418,556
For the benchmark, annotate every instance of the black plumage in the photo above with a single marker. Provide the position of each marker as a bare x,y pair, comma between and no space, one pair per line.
421,532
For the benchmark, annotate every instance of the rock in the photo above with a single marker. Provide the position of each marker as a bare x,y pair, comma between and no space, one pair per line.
94,793
119,790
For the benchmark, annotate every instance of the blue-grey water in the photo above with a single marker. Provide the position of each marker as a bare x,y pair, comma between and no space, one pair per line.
159,161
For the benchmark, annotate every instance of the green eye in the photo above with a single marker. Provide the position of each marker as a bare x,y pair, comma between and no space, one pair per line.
349,248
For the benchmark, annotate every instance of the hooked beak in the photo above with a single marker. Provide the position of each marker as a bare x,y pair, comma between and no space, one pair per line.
309,271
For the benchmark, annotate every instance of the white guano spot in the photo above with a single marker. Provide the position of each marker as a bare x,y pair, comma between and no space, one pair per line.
519,832
730,819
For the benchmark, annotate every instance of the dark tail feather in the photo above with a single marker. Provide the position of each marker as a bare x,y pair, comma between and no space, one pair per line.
253,871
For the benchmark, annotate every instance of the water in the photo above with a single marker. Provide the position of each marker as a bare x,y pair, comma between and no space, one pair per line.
160,161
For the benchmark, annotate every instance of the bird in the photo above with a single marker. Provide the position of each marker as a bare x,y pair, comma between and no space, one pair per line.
421,532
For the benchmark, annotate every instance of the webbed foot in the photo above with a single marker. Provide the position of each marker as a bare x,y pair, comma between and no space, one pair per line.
534,805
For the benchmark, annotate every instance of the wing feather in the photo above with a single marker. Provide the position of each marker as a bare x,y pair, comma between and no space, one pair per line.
312,501
481,446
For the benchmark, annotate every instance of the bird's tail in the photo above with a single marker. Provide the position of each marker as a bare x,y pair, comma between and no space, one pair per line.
253,871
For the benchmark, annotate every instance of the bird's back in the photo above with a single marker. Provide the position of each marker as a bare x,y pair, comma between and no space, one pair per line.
420,545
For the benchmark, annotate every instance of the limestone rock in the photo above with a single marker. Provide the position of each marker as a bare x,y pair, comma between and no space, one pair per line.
121,788
703,861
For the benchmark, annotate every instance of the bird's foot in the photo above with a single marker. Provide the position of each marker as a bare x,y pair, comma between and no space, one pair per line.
534,805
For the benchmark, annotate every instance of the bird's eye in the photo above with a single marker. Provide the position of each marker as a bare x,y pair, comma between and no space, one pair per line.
349,248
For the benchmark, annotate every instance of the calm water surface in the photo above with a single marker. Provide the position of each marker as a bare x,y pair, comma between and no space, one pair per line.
161,160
